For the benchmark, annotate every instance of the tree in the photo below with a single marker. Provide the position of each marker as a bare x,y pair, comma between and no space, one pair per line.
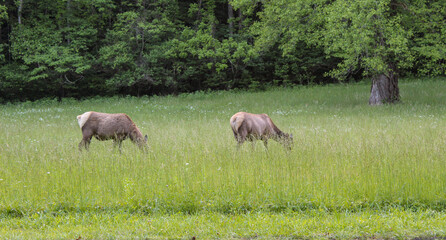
48,55
3,17
208,53
54,50
371,36
134,49
77,48
427,21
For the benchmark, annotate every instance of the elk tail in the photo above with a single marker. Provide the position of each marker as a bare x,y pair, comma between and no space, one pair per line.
82,119
236,122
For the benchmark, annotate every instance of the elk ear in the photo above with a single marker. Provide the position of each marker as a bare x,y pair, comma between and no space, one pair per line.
146,138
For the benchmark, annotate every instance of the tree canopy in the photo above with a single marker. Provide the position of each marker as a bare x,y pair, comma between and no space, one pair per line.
80,48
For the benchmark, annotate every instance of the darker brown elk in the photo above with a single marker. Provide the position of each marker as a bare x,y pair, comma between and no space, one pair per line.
105,126
251,127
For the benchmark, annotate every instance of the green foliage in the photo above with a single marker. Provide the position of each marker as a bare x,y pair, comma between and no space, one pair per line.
54,52
42,48
135,47
78,48
367,35
3,12
427,22
374,36
217,64
14,83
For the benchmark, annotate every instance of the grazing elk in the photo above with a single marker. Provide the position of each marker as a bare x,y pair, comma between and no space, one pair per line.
105,126
248,126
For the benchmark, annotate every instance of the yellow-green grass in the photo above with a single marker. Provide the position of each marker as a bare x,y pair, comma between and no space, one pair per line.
347,157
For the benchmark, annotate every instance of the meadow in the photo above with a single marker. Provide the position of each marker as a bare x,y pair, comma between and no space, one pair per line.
354,170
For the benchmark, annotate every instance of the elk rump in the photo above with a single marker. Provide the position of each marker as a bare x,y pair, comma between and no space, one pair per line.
251,127
105,126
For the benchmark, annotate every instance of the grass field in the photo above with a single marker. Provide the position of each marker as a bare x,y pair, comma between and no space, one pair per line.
354,171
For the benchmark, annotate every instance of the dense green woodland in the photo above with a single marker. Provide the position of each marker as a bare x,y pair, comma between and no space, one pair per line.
82,48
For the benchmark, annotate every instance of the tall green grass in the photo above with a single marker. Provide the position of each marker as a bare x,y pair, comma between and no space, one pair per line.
347,155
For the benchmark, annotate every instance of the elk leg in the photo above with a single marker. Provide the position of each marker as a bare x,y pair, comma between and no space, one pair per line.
252,139
240,137
85,143
265,143
86,139
118,138
117,141
81,145
236,136
240,141
119,145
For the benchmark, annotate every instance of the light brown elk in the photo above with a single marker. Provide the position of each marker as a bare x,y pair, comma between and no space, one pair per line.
105,126
251,127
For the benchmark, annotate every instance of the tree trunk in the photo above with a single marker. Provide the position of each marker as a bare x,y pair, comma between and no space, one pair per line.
199,10
240,21
61,90
384,89
19,12
68,19
231,19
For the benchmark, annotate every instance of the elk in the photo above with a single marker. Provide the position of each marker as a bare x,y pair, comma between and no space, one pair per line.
105,126
248,126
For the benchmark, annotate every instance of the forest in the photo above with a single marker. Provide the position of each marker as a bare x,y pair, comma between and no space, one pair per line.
83,48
